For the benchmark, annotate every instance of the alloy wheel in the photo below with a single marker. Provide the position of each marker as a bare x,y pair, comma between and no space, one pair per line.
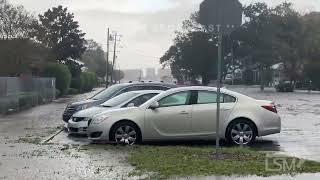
126,135
241,133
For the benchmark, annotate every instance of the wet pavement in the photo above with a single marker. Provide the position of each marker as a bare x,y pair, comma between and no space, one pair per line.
67,157
300,114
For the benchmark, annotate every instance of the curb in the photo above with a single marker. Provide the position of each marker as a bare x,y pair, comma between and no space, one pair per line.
51,137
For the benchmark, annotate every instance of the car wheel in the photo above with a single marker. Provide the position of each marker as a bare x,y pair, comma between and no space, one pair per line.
126,133
241,132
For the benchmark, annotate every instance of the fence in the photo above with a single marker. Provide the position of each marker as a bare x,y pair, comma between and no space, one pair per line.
21,93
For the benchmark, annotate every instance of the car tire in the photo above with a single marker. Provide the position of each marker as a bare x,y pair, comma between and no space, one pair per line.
241,130
125,133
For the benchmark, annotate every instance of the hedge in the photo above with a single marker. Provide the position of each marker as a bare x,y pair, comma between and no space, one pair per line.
61,73
88,81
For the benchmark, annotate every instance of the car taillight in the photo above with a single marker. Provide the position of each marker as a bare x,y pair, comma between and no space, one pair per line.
271,108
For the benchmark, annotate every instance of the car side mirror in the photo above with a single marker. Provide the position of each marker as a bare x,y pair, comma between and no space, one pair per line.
131,105
154,105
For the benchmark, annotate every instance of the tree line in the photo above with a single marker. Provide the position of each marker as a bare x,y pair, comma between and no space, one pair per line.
52,42
268,36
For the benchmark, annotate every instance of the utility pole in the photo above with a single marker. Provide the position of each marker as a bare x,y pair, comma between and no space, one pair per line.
114,56
107,74
218,91
232,62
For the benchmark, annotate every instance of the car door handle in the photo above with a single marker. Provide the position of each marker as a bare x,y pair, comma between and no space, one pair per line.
184,112
225,109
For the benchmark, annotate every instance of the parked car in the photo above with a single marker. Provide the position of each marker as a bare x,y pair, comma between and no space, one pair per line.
285,86
188,113
109,93
78,123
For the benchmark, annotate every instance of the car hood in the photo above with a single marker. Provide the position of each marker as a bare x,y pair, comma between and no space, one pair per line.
89,102
90,112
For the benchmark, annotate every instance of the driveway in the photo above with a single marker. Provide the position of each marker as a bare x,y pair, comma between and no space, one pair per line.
23,157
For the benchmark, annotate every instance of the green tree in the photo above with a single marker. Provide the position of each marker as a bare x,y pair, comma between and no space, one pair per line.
311,23
15,21
256,37
194,53
94,58
290,41
59,31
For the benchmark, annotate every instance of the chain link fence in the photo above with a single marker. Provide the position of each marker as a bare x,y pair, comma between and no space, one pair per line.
17,94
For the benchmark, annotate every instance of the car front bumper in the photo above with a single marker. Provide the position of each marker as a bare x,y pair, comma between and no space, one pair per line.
98,132
78,127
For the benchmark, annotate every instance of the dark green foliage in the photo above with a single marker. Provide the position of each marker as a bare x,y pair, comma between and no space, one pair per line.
62,75
89,80
73,91
56,23
76,83
58,93
94,59
28,100
22,56
313,73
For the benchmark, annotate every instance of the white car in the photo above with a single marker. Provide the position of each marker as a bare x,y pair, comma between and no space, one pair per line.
188,113
78,123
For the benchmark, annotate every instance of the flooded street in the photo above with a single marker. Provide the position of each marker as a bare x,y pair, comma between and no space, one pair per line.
22,156
300,114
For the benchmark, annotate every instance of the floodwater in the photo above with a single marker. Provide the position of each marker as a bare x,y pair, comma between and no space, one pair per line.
69,157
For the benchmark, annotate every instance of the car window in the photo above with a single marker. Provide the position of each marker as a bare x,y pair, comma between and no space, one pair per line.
229,99
162,88
108,93
116,101
177,99
207,97
141,99
132,88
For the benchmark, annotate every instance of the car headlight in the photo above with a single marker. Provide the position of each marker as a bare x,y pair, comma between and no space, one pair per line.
82,107
99,120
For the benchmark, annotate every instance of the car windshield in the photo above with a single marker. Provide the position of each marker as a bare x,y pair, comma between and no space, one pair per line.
116,101
108,93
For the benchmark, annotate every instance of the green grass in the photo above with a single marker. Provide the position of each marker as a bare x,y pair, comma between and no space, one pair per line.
172,161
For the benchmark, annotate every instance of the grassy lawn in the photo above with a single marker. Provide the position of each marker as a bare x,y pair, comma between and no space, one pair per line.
172,161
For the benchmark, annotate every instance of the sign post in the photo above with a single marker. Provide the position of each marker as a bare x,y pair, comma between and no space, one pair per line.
224,16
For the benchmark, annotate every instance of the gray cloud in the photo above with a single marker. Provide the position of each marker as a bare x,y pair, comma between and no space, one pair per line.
147,26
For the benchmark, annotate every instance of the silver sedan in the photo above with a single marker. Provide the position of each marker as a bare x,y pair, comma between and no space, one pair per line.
78,123
188,113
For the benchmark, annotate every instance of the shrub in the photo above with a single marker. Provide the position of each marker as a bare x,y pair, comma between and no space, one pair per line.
62,75
73,91
88,81
76,83
27,100
7,103
58,93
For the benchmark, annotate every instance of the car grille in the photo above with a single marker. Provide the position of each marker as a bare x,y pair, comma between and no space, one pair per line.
75,130
70,110
68,113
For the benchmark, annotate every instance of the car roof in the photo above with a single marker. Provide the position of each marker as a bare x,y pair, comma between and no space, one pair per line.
149,84
206,88
146,91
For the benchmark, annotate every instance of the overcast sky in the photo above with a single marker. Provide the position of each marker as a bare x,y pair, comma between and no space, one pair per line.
147,26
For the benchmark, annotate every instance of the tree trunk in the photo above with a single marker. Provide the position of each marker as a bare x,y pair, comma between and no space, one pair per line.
262,79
